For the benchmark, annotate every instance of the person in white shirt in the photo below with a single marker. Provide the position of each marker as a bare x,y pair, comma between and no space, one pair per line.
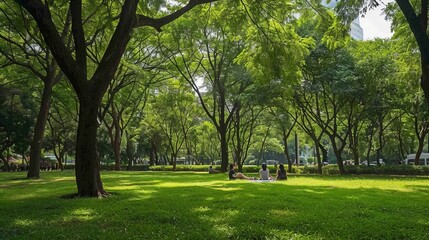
264,173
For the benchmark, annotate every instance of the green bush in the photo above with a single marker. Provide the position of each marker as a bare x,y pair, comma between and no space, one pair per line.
194,168
310,169
330,169
385,169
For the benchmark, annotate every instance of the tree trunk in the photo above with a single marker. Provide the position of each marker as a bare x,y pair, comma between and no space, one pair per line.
319,161
39,131
324,153
174,161
5,163
117,148
296,149
88,178
130,151
224,150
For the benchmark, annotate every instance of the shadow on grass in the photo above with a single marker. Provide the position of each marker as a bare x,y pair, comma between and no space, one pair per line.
194,206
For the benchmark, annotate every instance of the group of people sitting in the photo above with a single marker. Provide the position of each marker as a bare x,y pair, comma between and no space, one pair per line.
264,173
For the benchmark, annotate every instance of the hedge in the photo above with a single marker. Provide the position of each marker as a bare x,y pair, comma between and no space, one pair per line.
384,169
309,169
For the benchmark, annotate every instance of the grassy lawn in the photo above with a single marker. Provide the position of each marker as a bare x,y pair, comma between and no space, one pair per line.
166,205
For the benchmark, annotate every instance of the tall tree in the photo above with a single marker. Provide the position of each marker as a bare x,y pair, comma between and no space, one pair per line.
416,15
24,48
74,64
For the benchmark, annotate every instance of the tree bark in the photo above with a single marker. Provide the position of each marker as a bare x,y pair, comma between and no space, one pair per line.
88,178
39,130
224,149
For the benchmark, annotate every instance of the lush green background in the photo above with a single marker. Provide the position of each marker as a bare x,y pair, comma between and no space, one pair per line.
170,205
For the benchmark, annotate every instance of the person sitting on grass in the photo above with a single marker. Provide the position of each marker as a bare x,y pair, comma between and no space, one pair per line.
281,173
239,175
211,170
264,173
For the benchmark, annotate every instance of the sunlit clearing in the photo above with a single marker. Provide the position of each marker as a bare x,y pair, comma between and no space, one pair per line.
24,222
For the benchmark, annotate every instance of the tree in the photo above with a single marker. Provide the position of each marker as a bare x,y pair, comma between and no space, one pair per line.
416,15
16,121
26,50
74,65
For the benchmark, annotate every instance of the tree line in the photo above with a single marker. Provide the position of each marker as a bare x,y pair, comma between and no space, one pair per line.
228,80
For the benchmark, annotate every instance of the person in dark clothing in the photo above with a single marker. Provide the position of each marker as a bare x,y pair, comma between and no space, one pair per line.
233,175
281,173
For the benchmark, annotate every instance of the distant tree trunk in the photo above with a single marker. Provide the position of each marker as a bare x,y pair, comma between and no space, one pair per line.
289,161
354,144
224,148
324,153
421,133
174,161
39,130
338,154
6,167
285,135
296,149
130,151
371,136
319,161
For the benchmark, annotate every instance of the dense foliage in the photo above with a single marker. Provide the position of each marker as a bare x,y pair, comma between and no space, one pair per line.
229,81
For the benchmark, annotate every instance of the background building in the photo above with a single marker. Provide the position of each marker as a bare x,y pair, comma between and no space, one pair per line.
356,31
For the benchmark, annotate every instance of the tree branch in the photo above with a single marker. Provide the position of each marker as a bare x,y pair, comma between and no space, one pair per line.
143,20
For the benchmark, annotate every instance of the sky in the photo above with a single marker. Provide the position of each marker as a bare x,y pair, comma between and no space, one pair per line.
374,25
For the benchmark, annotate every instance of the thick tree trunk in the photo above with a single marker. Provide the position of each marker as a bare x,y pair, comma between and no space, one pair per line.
39,131
88,178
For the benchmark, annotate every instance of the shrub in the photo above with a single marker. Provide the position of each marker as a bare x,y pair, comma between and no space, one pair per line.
384,169
310,169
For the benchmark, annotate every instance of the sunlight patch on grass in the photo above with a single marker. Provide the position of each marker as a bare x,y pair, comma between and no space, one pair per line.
143,194
202,209
314,191
228,189
353,183
281,213
81,214
23,196
24,222
223,229
121,188
188,184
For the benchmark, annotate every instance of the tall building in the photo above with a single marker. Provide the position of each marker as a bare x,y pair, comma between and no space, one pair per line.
356,31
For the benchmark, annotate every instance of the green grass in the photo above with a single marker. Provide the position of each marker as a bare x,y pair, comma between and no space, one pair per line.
167,205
